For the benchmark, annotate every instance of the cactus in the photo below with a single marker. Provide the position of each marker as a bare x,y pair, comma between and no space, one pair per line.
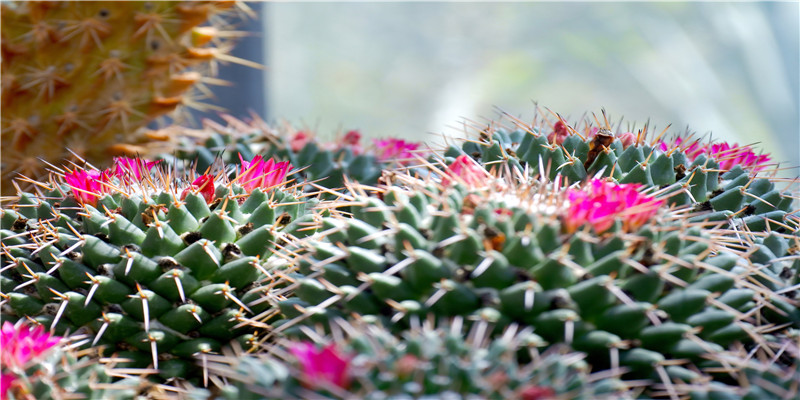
87,77
149,264
607,268
728,180
610,253
367,361
325,164
37,365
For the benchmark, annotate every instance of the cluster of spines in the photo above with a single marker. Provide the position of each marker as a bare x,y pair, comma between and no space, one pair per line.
146,266
431,360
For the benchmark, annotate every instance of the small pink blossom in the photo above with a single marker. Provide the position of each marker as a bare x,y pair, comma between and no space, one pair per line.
727,155
204,184
87,186
261,174
559,134
532,392
300,140
352,139
393,149
600,202
627,139
466,170
322,365
127,169
21,344
6,381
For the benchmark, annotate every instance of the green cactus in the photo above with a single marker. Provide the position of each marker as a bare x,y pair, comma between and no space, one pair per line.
37,365
713,177
155,272
642,290
367,361
325,164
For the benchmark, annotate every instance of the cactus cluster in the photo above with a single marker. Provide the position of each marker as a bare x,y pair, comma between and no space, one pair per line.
87,77
154,268
366,361
37,365
324,163
538,261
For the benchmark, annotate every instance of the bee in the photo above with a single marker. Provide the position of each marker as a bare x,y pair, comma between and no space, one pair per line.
602,139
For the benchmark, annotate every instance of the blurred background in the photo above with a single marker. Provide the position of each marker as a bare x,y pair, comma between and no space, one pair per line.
416,70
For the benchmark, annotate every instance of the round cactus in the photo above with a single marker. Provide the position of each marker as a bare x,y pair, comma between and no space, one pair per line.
364,360
608,268
155,267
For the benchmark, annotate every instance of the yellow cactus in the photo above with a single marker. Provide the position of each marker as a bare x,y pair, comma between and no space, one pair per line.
88,77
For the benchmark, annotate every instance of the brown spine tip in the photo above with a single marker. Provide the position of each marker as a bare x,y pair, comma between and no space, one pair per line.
161,135
163,105
193,14
201,54
181,83
125,149
203,34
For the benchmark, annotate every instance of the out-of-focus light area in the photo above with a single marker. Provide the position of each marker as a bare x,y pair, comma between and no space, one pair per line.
416,70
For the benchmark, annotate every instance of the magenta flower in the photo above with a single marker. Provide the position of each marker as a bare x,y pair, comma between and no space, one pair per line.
560,132
601,202
352,139
127,169
87,186
204,184
6,381
466,170
395,149
21,344
300,140
322,365
727,155
261,174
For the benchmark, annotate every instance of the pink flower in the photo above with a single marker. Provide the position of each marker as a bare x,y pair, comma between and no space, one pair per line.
727,155
126,168
600,202
6,381
204,184
261,174
395,149
322,365
300,140
560,132
627,139
352,139
22,344
466,170
87,186
532,392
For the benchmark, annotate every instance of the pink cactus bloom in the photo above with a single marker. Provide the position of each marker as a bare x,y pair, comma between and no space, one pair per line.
127,169
352,139
204,184
559,134
6,381
322,365
393,149
601,202
627,139
466,170
87,186
727,155
261,174
300,140
532,392
21,344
